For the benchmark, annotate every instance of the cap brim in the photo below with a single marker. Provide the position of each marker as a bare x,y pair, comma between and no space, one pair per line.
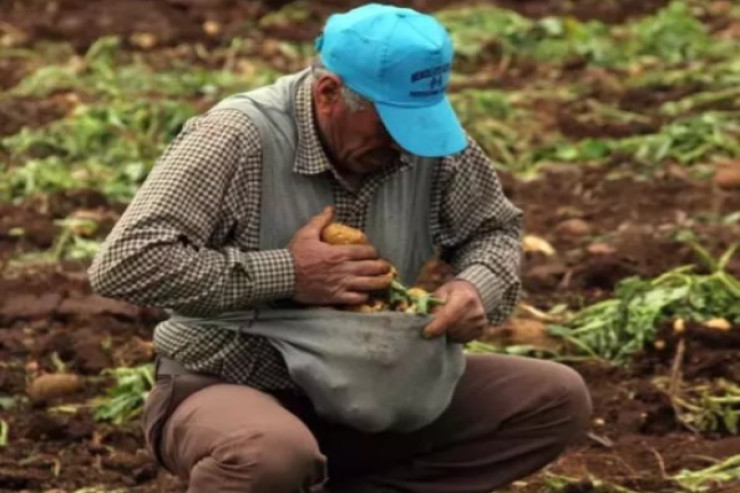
431,131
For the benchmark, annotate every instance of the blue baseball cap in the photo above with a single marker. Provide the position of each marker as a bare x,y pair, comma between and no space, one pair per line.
399,59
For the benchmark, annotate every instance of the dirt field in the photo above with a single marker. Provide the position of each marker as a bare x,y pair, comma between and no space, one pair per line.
47,313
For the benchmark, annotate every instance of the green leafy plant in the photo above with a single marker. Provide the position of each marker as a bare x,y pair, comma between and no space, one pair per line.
109,147
480,347
672,35
696,481
706,479
125,399
411,300
712,406
3,433
617,328
687,141
74,242
104,72
555,482
476,29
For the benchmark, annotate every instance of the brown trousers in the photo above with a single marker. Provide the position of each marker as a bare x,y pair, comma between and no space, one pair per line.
509,417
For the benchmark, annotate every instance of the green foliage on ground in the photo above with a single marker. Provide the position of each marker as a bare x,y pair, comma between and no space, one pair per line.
107,146
617,328
130,105
125,399
674,35
124,119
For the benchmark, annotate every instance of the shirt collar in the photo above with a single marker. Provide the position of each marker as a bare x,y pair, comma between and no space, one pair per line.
310,158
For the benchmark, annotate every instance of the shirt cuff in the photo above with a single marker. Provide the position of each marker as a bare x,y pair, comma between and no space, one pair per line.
489,286
273,274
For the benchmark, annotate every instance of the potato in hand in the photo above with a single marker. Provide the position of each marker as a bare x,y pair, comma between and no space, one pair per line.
340,234
397,297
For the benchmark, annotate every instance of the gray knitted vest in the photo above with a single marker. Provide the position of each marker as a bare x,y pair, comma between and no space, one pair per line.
371,371
398,221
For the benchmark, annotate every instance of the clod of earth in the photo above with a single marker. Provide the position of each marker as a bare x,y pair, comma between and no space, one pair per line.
574,227
527,331
727,175
601,248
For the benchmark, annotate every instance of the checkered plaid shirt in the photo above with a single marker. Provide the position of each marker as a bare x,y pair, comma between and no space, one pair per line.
189,239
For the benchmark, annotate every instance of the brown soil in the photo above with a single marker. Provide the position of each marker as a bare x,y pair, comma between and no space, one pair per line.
177,21
635,439
51,311
172,21
609,11
30,226
641,99
83,22
711,353
576,121
17,113
12,70
632,228
48,314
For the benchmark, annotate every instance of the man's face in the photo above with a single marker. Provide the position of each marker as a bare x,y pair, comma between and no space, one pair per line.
358,141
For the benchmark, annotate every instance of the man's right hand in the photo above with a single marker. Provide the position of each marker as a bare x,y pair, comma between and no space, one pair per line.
334,274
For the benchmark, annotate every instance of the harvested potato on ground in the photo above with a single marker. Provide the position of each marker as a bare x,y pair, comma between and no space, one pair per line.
341,234
52,385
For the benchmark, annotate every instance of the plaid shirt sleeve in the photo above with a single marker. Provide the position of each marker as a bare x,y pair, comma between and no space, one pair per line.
167,249
481,230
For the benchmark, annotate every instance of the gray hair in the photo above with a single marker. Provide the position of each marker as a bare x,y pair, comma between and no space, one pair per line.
354,101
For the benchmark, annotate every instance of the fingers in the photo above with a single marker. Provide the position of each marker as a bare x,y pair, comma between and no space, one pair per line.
444,315
368,283
442,321
318,222
351,298
370,268
472,330
357,252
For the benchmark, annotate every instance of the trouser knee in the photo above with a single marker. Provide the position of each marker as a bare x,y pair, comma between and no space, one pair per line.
261,463
575,406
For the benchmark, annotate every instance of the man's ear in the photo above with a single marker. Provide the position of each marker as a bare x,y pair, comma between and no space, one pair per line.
327,92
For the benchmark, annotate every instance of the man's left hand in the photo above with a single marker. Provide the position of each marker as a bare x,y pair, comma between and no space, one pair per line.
462,317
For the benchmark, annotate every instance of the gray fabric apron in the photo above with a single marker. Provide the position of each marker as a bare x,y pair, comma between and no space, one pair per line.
374,372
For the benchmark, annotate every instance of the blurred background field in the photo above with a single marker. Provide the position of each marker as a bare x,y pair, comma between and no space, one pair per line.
614,124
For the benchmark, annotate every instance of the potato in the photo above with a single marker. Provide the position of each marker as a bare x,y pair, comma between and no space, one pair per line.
417,292
372,306
396,297
341,234
52,385
573,227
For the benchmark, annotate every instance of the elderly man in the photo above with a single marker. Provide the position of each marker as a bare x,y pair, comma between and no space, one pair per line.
230,219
